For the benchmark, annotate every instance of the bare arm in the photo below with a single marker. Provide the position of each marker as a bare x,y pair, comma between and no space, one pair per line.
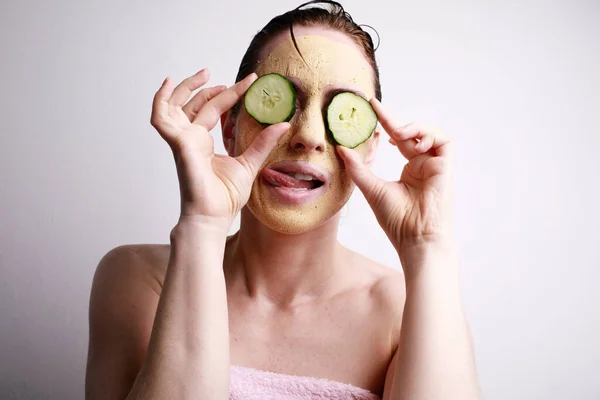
137,353
435,357
188,354
122,306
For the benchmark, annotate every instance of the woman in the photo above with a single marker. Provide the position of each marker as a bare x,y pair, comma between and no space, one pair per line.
281,309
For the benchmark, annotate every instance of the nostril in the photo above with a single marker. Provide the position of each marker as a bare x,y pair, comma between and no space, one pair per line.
305,144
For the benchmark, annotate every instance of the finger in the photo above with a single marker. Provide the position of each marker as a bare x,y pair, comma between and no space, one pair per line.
367,182
412,143
405,141
425,143
429,140
202,97
422,141
183,91
408,148
389,124
160,104
209,115
424,167
255,155
413,139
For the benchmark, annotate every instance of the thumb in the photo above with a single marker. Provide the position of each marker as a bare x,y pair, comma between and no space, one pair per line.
255,155
360,173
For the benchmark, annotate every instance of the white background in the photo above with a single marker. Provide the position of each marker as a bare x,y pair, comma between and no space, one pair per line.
517,86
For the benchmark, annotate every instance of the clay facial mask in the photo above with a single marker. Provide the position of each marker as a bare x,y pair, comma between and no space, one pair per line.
329,64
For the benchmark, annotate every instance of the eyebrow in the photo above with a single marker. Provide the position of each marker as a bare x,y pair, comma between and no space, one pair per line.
330,88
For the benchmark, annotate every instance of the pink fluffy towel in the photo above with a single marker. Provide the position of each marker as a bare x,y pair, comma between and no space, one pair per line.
253,384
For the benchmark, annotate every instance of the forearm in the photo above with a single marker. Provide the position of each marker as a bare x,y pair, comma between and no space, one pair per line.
188,353
435,359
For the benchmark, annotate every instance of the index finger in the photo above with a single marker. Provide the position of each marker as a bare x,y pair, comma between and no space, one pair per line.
405,136
211,112
404,142
391,126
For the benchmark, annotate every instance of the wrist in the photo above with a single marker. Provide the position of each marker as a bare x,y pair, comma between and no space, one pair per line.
442,238
434,259
209,223
213,229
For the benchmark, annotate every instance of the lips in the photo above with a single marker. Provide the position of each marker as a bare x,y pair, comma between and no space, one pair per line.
295,175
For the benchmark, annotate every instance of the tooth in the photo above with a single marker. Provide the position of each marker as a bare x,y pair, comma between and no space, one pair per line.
303,177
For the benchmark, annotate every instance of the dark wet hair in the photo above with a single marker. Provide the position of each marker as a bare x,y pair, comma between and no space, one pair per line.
331,15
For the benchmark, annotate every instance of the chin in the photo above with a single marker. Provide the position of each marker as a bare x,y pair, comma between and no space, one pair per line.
296,219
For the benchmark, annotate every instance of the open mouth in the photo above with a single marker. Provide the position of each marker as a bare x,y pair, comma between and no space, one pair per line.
296,176
298,181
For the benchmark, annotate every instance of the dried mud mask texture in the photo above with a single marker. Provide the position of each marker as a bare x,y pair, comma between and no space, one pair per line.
327,64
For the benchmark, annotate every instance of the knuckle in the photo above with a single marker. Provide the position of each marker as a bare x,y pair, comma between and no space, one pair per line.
410,128
246,162
156,120
445,136
240,89
397,129
205,95
187,82
418,127
215,113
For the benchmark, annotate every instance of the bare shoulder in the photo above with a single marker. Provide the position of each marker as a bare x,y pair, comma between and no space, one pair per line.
152,259
140,263
384,286
125,292
383,281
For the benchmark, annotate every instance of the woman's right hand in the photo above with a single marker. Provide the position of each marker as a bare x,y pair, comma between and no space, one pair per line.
212,185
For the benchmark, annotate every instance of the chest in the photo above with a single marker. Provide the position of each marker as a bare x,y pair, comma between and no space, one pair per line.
340,341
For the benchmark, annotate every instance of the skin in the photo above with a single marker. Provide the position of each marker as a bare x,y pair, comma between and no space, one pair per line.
322,69
167,321
298,281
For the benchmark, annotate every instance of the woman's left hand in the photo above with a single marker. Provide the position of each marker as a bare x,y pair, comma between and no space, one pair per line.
415,210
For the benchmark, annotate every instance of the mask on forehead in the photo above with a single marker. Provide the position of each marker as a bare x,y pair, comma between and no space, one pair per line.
322,61
325,64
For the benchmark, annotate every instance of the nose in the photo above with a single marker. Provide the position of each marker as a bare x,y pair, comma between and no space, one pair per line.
309,133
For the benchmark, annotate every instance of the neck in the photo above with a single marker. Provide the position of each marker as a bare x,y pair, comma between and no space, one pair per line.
284,269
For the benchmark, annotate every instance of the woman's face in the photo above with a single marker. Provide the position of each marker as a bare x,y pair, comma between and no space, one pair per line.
281,199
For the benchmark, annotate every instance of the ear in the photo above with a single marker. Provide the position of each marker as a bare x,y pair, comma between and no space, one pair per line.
373,145
227,126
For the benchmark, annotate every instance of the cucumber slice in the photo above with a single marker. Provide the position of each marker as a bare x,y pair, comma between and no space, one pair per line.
271,99
351,119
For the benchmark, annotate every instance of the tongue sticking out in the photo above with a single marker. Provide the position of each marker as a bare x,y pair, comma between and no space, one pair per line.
277,178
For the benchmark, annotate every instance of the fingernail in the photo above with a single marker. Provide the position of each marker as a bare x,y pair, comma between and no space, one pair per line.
201,71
